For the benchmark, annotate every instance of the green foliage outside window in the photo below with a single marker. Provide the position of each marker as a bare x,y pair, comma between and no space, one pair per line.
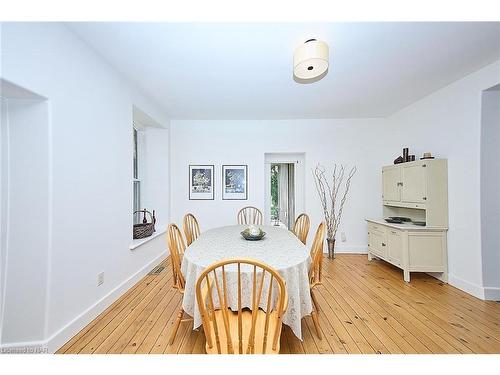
274,191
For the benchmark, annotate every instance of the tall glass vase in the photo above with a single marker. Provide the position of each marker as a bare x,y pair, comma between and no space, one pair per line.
331,247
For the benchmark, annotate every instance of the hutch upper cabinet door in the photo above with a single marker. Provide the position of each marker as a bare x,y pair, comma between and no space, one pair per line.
391,179
414,183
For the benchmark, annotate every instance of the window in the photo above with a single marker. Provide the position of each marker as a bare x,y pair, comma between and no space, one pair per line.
136,181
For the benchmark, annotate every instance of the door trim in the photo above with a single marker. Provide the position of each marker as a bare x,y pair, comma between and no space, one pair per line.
299,159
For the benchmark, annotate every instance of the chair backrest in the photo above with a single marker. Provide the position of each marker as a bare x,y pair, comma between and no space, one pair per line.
317,255
267,290
301,227
249,215
191,228
176,247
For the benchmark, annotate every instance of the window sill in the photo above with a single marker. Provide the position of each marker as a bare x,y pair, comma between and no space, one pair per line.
137,243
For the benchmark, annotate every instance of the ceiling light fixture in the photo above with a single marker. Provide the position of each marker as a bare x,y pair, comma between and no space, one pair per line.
310,60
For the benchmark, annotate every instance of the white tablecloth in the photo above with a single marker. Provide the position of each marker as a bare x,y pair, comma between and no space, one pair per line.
279,249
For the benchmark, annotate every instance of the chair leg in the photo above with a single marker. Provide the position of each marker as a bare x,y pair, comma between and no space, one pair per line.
176,326
315,301
314,316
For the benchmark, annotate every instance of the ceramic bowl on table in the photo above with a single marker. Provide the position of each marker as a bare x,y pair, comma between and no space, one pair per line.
253,233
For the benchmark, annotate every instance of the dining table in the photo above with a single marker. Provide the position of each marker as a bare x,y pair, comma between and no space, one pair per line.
279,248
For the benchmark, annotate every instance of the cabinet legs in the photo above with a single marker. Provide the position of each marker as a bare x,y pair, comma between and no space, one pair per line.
370,257
406,275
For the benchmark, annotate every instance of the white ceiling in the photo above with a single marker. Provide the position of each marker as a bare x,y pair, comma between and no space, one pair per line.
244,71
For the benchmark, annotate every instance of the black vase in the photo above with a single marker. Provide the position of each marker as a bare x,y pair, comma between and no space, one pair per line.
405,155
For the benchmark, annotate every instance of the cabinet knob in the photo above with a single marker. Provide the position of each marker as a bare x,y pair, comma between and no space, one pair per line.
383,244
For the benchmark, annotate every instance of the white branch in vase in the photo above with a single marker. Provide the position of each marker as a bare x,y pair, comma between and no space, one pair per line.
332,206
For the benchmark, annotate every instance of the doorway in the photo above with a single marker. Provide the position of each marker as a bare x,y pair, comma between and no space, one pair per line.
282,194
284,188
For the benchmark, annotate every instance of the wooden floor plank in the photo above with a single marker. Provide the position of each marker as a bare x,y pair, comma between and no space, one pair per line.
100,318
106,336
322,345
486,320
379,340
326,314
137,335
361,342
364,298
308,342
284,347
151,338
462,310
444,316
422,327
331,336
98,324
294,343
379,326
434,327
365,307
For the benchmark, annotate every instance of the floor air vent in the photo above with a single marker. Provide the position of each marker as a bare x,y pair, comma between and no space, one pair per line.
157,270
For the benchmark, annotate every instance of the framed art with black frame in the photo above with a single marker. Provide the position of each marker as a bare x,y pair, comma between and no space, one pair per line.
201,182
235,182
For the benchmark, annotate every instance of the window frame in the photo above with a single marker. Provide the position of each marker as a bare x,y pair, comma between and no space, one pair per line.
136,174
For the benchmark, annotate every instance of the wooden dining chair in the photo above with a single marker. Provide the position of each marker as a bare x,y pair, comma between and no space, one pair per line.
191,228
315,273
176,247
245,331
249,215
301,227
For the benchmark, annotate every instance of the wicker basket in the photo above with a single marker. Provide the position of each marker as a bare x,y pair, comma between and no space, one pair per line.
144,230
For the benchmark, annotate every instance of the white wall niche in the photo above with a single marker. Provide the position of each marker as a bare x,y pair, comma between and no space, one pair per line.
490,187
26,191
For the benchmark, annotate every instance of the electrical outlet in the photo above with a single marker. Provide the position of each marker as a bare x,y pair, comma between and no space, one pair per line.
100,278
342,236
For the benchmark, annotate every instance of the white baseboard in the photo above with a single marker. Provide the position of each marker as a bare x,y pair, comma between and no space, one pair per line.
348,249
492,294
476,290
59,338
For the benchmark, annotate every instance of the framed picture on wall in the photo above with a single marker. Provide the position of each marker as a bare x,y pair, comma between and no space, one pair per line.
234,182
201,182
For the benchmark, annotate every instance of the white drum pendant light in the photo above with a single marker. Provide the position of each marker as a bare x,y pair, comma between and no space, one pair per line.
310,60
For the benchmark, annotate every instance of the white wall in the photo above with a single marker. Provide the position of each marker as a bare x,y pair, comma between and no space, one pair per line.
448,124
156,173
90,111
490,189
245,142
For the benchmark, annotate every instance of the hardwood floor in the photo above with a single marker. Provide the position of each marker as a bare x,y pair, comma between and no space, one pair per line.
365,308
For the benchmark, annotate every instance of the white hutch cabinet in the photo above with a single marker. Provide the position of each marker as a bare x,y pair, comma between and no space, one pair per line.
417,190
